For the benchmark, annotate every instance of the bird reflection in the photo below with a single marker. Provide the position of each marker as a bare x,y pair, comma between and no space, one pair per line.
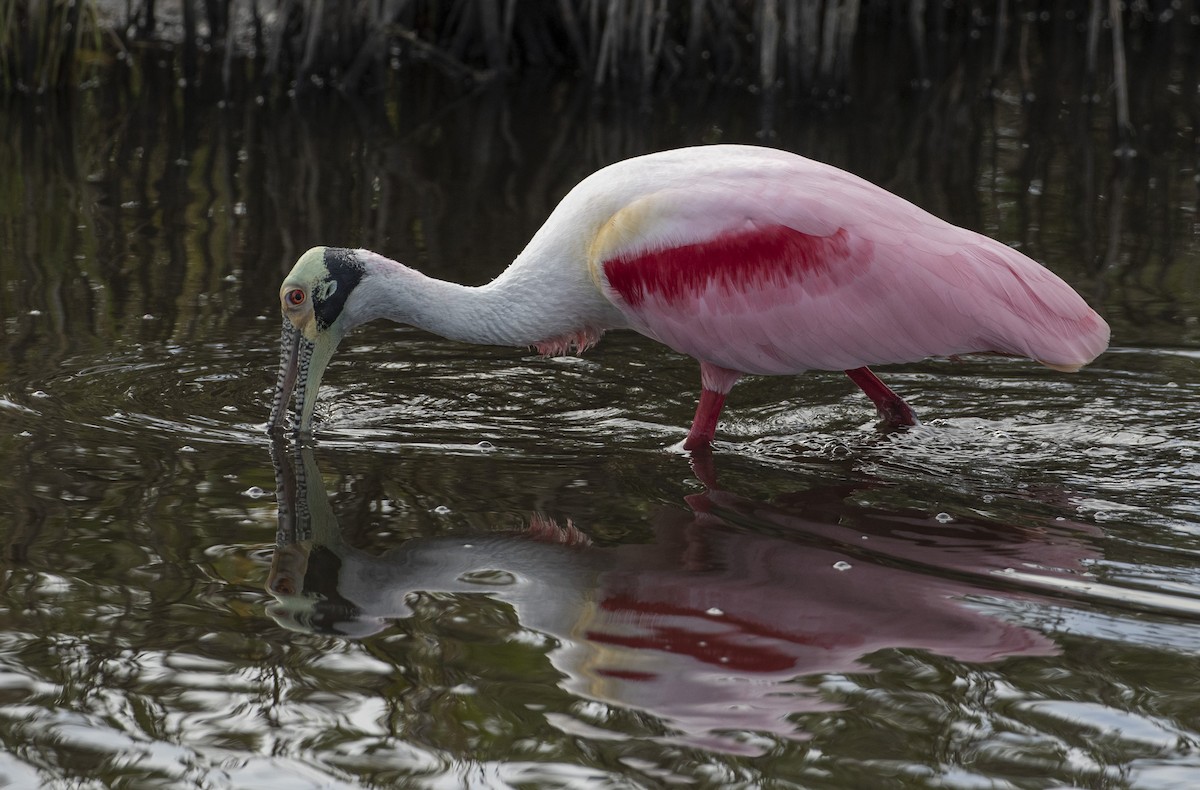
711,624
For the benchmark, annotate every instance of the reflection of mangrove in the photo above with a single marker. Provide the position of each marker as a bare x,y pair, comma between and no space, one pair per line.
140,198
707,625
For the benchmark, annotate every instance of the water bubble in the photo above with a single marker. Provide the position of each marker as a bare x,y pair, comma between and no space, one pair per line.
485,445
842,565
944,518
713,612
148,317
441,510
488,577
254,492
988,498
39,394
187,448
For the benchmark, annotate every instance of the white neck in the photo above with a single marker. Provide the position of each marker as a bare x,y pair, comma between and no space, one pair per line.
519,308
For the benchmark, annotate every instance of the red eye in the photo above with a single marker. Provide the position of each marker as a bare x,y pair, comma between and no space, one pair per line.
295,297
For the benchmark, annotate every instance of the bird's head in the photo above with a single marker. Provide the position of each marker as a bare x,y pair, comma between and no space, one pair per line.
317,312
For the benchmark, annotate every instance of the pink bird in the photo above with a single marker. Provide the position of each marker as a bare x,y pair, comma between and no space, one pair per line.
752,260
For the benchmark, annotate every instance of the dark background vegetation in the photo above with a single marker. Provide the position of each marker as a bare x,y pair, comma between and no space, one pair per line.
806,47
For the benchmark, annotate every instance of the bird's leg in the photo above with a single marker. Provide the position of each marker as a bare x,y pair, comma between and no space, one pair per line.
892,409
704,424
715,385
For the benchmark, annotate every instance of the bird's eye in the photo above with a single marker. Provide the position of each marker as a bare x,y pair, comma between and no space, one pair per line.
295,297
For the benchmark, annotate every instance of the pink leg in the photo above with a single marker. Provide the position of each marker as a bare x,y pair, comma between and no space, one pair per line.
893,411
704,425
715,385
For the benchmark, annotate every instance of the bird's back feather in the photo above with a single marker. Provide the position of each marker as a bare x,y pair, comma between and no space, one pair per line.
765,262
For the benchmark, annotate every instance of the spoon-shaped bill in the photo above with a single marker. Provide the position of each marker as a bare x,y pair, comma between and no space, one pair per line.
285,381
302,363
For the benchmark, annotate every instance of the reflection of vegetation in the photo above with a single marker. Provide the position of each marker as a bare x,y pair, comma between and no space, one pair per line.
44,42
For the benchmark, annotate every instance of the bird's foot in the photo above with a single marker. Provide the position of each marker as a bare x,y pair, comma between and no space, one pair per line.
893,411
897,414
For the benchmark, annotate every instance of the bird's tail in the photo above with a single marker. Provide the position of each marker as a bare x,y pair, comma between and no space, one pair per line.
1040,315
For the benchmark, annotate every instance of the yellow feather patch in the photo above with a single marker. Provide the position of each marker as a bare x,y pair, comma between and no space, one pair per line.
621,229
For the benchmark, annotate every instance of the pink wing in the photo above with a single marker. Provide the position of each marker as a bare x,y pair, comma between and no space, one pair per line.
824,271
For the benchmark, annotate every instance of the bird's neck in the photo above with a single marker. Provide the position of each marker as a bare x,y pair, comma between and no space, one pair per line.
509,311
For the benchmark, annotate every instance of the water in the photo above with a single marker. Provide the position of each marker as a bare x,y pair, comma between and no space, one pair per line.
490,569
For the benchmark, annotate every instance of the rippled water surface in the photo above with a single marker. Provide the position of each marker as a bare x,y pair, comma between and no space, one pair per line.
491,569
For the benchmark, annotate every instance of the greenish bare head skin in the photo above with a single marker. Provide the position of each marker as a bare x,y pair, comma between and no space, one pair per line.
313,300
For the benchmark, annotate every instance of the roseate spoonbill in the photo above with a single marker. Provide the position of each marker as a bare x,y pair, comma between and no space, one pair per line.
752,260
